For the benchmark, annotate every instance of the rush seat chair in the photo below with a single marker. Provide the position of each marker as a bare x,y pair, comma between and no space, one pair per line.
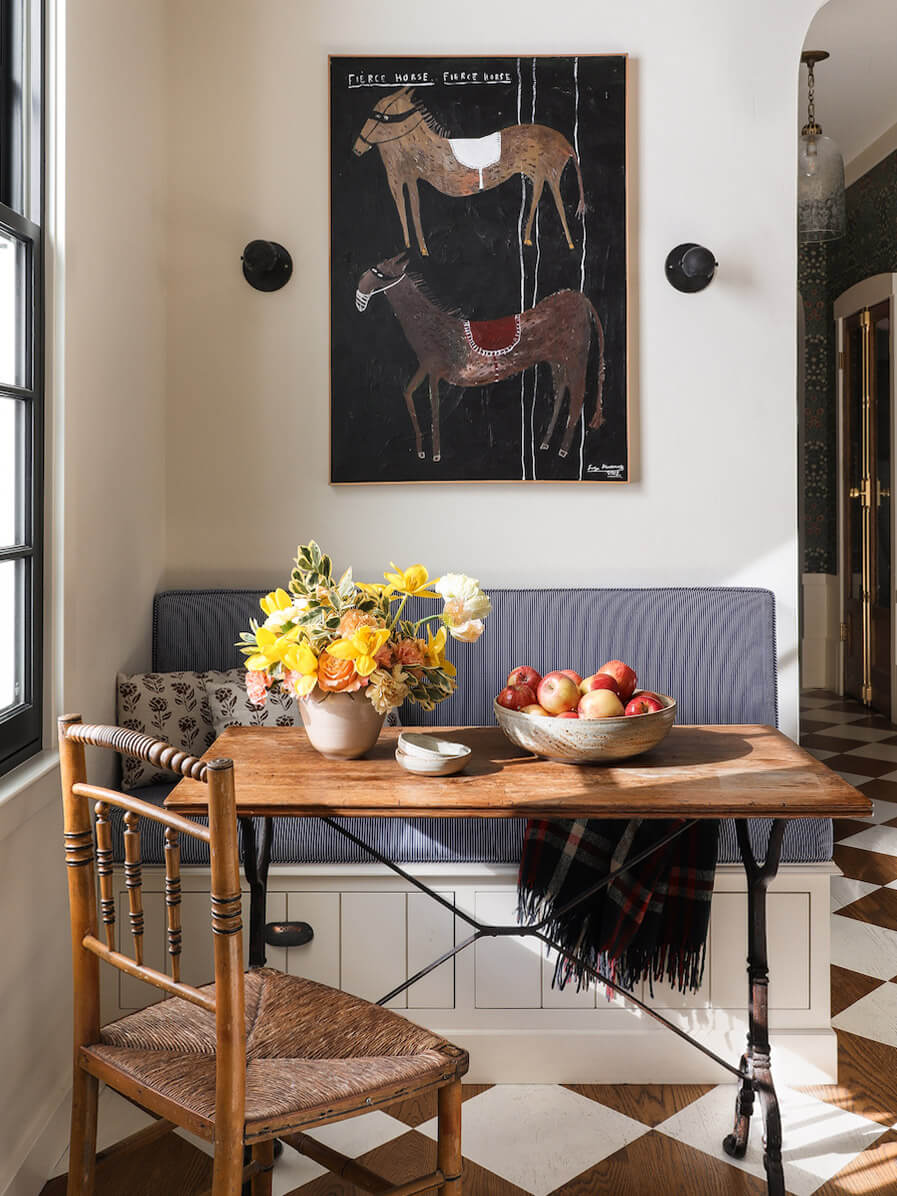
254,1056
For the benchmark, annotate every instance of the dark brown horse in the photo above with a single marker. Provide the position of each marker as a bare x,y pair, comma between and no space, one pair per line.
414,146
557,330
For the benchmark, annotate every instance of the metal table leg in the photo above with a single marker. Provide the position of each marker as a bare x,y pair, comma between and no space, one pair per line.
756,1062
256,859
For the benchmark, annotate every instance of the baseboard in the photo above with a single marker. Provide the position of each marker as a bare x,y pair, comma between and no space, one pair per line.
27,1176
636,1056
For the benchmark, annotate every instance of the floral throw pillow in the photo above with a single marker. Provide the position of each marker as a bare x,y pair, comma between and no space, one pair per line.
231,707
170,706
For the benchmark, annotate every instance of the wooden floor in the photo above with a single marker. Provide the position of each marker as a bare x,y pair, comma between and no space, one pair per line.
582,1140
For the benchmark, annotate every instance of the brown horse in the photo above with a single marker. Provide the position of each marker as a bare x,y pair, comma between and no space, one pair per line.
557,330
414,146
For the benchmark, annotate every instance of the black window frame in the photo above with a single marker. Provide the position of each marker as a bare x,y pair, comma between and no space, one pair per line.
22,188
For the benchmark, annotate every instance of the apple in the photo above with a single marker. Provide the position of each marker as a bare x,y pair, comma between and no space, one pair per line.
567,714
648,693
515,697
643,704
524,675
572,674
623,675
600,703
598,681
535,709
557,692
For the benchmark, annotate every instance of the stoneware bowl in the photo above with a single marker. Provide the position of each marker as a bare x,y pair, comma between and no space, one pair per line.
587,740
434,763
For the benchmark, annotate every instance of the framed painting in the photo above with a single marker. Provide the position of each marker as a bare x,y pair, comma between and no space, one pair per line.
479,269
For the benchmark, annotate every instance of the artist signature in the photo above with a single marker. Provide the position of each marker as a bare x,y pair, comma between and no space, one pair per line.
613,470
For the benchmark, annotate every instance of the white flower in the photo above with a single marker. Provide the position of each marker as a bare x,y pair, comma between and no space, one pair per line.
289,614
465,602
468,632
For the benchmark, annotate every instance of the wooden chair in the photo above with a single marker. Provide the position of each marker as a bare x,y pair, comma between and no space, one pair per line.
250,1058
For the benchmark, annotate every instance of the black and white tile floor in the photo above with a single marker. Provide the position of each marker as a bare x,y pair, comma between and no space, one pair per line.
629,1140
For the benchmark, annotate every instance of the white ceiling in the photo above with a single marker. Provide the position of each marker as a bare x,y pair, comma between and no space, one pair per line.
856,89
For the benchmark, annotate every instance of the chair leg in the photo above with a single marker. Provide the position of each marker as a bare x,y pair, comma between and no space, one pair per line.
448,1148
227,1172
263,1154
83,1137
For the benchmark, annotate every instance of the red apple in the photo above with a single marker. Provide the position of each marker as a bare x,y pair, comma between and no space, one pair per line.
643,704
573,674
600,703
524,675
557,692
623,675
598,681
535,709
515,697
567,714
648,693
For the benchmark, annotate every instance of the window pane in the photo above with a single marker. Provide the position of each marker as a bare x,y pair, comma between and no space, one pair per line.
12,634
12,310
12,458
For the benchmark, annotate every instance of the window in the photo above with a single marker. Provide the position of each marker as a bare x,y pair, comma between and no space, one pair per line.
21,379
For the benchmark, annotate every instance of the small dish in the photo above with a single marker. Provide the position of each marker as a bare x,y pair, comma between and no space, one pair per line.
433,765
430,747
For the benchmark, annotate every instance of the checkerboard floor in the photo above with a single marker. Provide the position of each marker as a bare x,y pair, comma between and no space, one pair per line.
629,1140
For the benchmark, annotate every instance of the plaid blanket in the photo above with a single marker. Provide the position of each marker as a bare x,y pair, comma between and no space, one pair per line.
649,922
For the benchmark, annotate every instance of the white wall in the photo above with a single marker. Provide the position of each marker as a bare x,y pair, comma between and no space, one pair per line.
713,118
105,453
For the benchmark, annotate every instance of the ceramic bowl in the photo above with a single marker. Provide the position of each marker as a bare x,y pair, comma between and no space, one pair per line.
587,740
433,764
430,747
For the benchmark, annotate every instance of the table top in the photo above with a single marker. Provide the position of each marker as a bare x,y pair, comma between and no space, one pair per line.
696,772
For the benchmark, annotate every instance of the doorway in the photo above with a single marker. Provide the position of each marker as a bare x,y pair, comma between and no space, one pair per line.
865,321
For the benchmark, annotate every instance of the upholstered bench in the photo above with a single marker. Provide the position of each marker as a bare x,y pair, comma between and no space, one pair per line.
712,648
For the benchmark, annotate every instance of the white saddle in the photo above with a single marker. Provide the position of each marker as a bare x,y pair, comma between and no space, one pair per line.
477,153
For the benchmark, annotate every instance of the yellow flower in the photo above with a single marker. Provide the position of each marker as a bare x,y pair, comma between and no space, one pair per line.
361,647
435,652
300,658
412,580
272,648
277,600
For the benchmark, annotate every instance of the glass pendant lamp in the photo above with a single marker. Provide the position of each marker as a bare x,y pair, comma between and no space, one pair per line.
821,207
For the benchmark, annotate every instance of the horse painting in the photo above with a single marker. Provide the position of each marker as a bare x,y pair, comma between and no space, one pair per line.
414,146
558,330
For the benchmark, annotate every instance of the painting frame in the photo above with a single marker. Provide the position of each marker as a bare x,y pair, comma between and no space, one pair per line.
613,473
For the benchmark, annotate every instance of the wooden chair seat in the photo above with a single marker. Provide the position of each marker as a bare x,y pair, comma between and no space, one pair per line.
313,1055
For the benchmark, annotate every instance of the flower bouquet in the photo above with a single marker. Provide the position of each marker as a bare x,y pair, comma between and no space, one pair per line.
343,649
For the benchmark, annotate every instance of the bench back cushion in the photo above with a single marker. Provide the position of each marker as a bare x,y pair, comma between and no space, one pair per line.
713,649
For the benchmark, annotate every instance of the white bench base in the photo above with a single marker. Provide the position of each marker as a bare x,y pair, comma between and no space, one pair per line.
372,930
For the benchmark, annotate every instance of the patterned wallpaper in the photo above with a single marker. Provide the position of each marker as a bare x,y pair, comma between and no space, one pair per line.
823,273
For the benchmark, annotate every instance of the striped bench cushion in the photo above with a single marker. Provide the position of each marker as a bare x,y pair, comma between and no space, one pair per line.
713,647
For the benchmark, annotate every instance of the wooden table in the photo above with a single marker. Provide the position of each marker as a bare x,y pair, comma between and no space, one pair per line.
738,772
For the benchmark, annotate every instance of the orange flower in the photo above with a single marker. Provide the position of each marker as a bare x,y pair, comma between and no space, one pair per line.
337,676
353,619
410,653
384,657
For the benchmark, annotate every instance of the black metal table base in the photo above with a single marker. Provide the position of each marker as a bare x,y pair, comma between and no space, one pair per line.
754,1071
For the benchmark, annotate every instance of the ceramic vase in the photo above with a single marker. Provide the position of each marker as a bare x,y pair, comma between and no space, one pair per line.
341,726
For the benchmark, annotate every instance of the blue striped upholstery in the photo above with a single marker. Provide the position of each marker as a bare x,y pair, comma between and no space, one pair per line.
714,648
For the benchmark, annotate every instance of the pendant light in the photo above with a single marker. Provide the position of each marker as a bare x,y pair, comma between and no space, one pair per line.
821,208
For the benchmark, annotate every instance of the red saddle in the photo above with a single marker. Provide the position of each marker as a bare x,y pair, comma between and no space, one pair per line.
493,337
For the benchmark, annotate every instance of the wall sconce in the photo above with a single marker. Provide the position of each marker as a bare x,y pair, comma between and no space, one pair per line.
690,267
267,266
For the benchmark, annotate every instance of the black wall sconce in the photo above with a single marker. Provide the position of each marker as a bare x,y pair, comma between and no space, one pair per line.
267,266
690,267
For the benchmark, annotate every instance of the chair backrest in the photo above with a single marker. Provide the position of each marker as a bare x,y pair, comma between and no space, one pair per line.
86,865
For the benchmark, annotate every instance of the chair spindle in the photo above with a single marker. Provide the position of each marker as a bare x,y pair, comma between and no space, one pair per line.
173,899
104,871
134,881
